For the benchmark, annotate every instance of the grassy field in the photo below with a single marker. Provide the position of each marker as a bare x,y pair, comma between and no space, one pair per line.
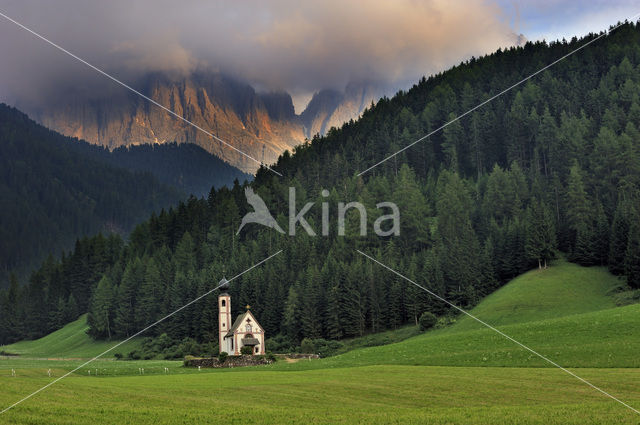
461,374
70,341
372,395
565,313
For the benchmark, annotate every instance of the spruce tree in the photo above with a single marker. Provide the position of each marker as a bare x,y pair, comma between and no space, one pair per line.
100,317
71,309
579,218
619,239
632,255
291,317
540,244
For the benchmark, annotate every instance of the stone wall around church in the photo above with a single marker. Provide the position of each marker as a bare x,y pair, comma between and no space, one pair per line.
230,362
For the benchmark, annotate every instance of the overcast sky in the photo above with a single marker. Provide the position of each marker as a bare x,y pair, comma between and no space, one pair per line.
300,47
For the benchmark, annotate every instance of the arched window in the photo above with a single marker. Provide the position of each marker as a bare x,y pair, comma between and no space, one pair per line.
248,327
224,303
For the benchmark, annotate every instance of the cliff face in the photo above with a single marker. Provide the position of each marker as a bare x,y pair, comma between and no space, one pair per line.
261,125
330,108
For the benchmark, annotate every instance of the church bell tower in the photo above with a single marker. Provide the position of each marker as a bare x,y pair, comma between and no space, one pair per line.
224,314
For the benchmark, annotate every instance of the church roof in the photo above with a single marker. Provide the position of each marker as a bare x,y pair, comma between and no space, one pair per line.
238,322
223,284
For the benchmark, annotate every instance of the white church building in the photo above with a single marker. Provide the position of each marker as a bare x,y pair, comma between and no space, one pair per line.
245,330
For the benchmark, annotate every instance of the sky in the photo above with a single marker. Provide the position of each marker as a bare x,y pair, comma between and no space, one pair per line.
296,46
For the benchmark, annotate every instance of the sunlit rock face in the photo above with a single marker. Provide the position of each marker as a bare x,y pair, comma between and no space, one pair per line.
331,108
262,125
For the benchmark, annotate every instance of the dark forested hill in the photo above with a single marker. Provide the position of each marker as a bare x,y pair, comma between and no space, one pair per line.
550,168
185,166
52,192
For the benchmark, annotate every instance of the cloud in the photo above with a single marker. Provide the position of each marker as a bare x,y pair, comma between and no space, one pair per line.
163,54
290,45
557,19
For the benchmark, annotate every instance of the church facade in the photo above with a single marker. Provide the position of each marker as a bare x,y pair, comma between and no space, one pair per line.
244,331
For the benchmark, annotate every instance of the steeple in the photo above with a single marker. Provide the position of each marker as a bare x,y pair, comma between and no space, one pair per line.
224,315
223,285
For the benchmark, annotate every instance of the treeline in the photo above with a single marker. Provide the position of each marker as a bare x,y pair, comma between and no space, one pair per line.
59,291
185,166
53,192
56,189
551,168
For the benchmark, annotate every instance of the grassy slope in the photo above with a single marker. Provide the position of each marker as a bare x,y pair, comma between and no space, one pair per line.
559,291
564,313
574,322
70,341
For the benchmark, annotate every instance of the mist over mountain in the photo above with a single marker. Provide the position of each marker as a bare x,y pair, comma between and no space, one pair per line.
232,69
331,108
263,125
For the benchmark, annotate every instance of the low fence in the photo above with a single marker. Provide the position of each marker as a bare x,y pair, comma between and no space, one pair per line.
244,360
230,361
297,356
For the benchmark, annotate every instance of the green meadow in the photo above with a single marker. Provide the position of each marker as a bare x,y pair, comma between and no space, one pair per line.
71,341
463,373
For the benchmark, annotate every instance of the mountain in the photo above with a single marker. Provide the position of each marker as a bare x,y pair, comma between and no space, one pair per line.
263,125
549,169
331,108
184,166
56,189
229,109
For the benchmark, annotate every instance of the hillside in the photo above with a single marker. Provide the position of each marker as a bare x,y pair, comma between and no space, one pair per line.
566,313
550,169
263,125
53,193
330,108
380,381
562,290
185,166
71,341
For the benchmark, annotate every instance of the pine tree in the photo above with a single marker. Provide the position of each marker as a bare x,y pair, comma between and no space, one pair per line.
453,136
311,315
100,317
601,235
414,209
334,314
541,238
417,299
632,255
457,242
71,309
578,211
619,239
125,317
59,316
291,316
150,295
547,136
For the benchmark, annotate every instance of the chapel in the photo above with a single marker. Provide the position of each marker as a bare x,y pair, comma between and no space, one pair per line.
245,330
